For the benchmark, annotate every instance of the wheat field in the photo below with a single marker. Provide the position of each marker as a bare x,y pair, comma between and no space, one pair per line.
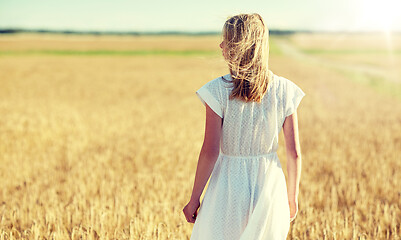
100,135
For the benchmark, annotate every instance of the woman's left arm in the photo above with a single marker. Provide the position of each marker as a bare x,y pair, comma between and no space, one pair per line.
207,159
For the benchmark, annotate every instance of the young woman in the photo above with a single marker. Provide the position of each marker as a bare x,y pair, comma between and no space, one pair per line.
247,196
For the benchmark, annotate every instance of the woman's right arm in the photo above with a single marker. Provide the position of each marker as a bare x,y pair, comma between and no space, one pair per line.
294,161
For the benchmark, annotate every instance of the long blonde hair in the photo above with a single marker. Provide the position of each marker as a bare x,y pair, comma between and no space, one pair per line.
247,52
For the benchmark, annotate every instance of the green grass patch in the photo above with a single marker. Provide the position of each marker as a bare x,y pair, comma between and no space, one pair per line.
274,49
380,84
349,51
112,52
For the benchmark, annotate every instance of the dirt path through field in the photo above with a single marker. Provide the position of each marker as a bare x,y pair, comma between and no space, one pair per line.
292,51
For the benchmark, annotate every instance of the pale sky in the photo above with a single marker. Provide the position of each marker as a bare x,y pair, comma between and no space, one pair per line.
205,15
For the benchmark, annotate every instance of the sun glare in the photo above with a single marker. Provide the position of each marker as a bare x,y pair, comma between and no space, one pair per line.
379,14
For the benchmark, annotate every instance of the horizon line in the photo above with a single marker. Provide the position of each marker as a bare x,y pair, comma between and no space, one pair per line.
171,32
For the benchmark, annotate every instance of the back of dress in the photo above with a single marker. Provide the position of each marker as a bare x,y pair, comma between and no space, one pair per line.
251,129
247,195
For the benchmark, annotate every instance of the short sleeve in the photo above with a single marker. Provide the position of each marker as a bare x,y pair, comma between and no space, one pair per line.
211,94
292,97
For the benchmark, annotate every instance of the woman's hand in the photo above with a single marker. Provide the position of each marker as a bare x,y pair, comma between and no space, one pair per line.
191,210
293,209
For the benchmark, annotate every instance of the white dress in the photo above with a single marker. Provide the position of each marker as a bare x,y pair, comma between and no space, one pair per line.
246,198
